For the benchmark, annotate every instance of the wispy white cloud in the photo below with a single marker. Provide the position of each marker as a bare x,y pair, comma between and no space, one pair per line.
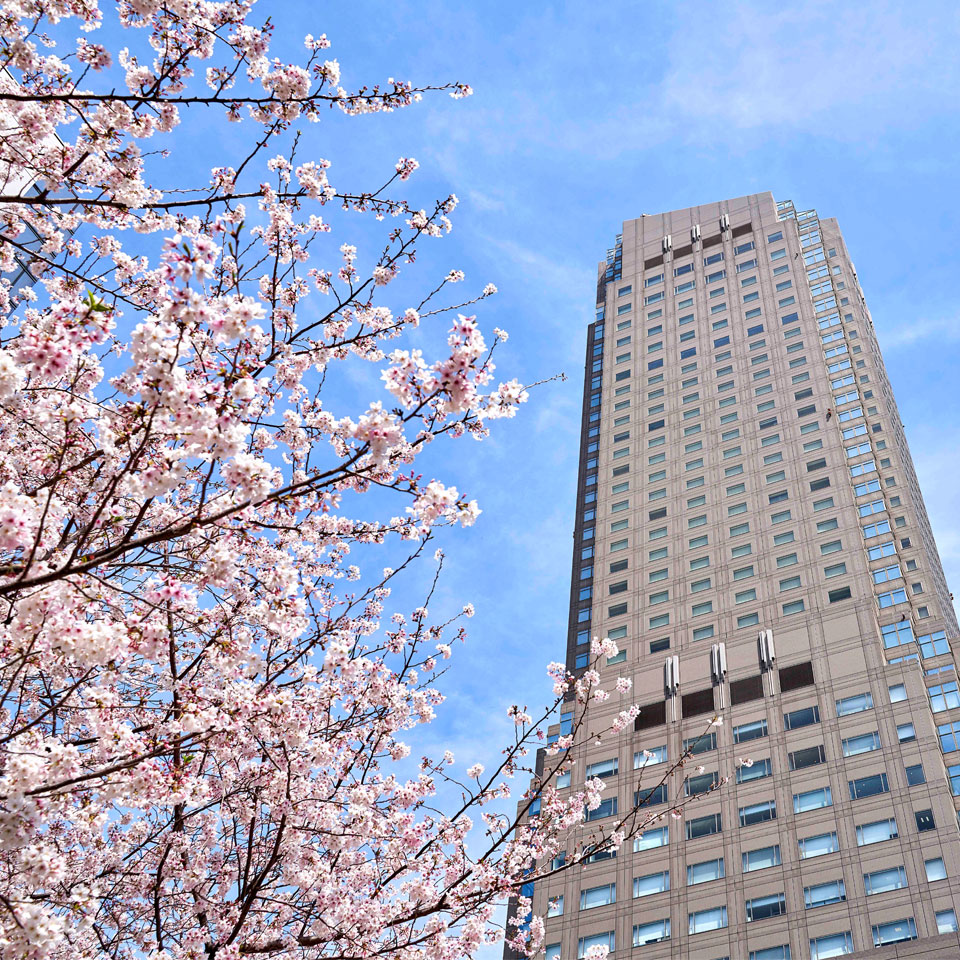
486,202
847,72
568,281
916,331
560,417
761,65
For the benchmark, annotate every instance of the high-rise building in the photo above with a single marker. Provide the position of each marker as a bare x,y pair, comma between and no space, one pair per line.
751,532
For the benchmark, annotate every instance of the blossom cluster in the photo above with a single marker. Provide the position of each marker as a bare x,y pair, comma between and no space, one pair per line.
210,706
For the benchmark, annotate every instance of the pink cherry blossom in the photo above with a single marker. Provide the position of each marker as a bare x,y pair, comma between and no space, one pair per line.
212,732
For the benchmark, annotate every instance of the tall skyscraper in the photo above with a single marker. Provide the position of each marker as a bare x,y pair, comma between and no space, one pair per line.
751,532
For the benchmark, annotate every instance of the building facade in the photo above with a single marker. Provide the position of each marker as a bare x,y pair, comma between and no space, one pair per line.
751,532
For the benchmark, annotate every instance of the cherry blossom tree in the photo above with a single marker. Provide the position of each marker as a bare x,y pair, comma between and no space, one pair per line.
208,706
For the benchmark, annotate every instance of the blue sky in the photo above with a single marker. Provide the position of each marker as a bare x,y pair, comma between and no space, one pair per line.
584,116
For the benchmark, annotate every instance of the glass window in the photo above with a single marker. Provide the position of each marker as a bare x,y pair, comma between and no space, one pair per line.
654,837
820,894
602,769
651,932
933,644
854,704
758,813
607,940
897,634
605,853
946,921
876,832
935,869
762,908
781,952
803,717
714,918
606,808
863,743
707,870
754,770
818,846
924,820
703,826
831,945
651,883
761,858
753,730
894,931
700,783
891,598
812,800
555,906
806,757
649,797
915,774
868,786
943,696
880,881
649,757
703,743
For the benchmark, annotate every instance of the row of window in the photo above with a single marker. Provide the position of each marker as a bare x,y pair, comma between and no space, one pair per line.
718,324
805,409
695,397
793,720
860,788
868,833
821,948
622,487
874,882
622,419
816,895
738,551
762,768
943,696
748,571
706,608
592,446
886,598
901,632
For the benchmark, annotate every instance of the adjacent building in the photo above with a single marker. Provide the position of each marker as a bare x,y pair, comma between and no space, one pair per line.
751,532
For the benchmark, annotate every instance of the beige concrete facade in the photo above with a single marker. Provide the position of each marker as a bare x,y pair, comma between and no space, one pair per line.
744,469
